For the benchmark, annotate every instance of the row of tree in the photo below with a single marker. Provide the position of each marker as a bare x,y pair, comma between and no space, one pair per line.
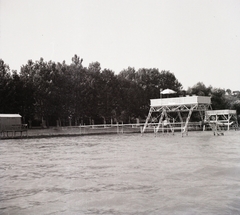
73,94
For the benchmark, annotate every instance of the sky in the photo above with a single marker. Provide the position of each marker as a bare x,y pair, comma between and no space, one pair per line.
197,40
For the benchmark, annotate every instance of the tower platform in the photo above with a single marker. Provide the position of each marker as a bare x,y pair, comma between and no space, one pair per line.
223,118
160,110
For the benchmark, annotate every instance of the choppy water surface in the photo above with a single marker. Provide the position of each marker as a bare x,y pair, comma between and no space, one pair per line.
121,174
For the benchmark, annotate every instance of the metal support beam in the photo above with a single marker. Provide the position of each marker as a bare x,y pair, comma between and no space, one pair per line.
172,106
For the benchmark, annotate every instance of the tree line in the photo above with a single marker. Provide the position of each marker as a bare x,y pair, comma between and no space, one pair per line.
73,94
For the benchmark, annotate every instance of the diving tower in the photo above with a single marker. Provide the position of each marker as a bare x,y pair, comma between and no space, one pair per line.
221,118
172,109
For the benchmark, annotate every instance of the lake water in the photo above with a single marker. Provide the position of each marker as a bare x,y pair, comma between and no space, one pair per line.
121,174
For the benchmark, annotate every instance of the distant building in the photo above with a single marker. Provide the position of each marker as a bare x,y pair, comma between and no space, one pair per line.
236,92
8,121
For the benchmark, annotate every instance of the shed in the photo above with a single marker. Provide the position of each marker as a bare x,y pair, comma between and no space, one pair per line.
9,121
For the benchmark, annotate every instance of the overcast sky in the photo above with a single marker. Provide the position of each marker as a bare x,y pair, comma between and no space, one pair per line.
197,40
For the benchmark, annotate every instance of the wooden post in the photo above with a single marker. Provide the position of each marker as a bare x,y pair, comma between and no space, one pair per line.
228,121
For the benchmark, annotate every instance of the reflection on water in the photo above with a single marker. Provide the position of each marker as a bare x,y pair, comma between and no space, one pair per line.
121,174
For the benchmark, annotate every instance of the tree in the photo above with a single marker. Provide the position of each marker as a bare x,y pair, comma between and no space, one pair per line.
235,105
50,91
218,99
128,74
5,88
108,95
23,98
169,80
143,85
76,61
38,77
200,89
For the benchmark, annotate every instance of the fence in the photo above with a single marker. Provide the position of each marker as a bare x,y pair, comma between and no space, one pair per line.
103,129
133,128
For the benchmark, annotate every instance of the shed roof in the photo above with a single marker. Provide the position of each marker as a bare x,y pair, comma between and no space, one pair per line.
10,115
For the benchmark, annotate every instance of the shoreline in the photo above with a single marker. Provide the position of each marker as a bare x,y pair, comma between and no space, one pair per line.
52,132
39,133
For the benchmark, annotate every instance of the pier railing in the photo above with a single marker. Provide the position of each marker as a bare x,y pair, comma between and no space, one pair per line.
133,128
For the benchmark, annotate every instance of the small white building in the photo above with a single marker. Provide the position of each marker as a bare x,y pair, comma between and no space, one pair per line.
9,122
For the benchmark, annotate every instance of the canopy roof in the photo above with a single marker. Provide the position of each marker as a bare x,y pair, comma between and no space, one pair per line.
168,91
10,115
